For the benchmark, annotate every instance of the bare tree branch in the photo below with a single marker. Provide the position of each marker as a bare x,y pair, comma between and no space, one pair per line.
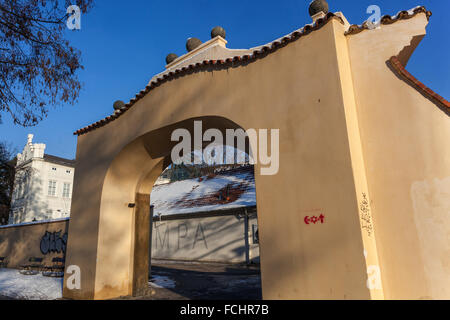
38,66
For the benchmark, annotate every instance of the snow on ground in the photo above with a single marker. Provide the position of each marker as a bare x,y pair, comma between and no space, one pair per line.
33,287
158,281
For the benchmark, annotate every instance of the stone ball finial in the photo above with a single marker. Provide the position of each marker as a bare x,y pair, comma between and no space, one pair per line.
192,43
317,6
218,31
118,105
171,57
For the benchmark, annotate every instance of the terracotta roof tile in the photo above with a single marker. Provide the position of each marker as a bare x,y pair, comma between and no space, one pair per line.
262,51
272,47
402,15
419,86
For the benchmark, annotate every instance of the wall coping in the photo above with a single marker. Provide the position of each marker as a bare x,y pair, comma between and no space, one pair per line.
8,226
206,214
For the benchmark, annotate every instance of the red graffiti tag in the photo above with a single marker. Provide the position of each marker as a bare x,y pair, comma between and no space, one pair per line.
314,219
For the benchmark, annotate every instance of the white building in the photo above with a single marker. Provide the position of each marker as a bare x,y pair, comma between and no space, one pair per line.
43,185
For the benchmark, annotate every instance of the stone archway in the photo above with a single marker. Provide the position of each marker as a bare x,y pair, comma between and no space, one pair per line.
359,147
293,89
124,211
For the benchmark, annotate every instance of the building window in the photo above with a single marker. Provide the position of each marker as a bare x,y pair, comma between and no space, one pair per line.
26,187
66,190
19,191
52,188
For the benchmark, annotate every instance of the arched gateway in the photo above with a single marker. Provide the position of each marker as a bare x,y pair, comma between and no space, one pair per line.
346,117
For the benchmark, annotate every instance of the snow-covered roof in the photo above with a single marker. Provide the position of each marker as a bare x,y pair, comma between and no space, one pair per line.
226,189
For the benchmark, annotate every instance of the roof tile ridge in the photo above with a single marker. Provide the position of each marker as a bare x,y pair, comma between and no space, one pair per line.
400,70
228,62
387,19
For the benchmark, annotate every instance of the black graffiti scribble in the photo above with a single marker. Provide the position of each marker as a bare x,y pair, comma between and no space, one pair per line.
53,242
366,219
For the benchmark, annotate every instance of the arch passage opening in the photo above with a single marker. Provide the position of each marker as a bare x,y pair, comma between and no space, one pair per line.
204,231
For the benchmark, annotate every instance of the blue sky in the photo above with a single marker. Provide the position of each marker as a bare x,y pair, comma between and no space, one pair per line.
124,43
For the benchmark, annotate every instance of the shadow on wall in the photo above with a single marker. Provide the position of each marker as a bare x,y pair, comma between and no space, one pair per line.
31,205
218,239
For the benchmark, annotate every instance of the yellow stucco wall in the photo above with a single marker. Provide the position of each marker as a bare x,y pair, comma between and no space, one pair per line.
407,158
295,89
355,141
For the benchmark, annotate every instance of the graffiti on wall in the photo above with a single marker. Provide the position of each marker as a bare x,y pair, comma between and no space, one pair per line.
313,216
314,219
199,236
162,240
52,242
366,219
162,235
